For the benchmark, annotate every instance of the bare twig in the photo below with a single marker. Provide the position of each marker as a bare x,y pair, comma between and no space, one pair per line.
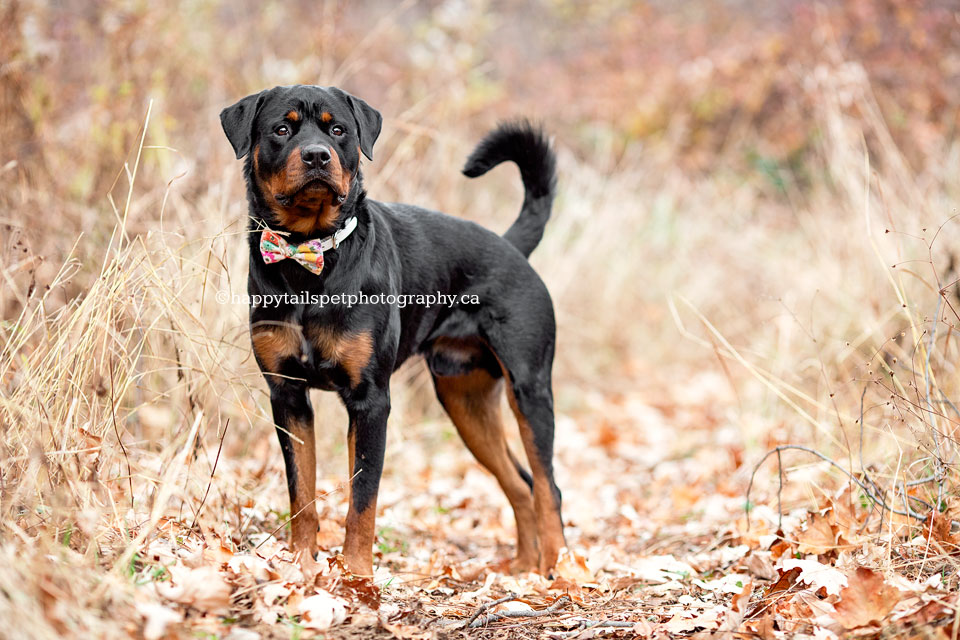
939,471
863,468
779,492
507,598
874,498
477,621
919,481
595,624
212,471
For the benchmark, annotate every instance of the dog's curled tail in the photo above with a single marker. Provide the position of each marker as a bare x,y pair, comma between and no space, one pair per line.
527,146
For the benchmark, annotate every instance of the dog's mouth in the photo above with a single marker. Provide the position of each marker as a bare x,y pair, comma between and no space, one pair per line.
314,187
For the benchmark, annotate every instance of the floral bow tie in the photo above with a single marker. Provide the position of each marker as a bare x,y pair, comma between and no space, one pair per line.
274,248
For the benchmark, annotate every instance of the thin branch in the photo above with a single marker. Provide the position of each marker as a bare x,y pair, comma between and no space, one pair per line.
779,492
510,596
212,471
594,624
938,460
477,621
876,499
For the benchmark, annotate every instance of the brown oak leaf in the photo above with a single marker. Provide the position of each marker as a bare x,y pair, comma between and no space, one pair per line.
819,536
867,598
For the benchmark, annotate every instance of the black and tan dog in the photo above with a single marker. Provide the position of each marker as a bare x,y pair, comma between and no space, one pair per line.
307,203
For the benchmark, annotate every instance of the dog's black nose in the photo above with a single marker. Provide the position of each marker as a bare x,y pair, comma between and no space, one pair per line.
315,154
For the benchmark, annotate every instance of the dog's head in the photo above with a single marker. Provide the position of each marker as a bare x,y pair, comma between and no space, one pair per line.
305,144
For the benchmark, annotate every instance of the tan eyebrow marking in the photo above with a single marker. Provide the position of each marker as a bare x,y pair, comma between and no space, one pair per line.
294,116
326,116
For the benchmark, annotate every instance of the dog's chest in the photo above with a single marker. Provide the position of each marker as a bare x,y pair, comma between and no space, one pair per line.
311,347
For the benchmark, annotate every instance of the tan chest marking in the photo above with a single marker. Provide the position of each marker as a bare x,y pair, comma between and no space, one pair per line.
351,350
274,343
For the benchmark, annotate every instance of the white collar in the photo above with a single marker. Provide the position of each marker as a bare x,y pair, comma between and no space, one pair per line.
333,241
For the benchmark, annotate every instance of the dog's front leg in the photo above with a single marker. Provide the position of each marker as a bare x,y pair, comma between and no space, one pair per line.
366,440
293,416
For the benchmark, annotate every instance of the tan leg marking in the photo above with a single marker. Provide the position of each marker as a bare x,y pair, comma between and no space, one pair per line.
303,509
361,529
358,545
549,523
361,525
473,403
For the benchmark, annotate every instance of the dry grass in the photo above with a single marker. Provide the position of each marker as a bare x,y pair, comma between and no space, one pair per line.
121,373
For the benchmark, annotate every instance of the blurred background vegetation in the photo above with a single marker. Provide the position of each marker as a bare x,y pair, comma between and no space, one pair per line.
660,96
705,84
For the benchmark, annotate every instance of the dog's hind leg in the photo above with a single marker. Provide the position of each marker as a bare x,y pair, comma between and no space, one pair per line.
526,358
472,400
532,404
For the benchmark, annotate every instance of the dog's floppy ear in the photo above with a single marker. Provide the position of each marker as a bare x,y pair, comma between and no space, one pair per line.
368,120
237,121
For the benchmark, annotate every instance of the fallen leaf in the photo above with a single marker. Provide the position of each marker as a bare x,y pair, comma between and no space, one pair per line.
866,599
203,588
938,527
511,605
322,611
405,631
567,586
817,575
818,537
239,633
329,534
679,624
573,567
741,600
621,583
759,565
763,626
643,628
928,613
157,618
821,633
355,588
815,610
732,583
786,580
847,515
274,592
709,619
780,548
523,585
661,569
477,594
246,563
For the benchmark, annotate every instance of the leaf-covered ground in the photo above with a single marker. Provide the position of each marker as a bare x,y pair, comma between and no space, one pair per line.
660,546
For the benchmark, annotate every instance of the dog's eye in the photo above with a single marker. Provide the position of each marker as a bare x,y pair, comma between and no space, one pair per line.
337,130
282,130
